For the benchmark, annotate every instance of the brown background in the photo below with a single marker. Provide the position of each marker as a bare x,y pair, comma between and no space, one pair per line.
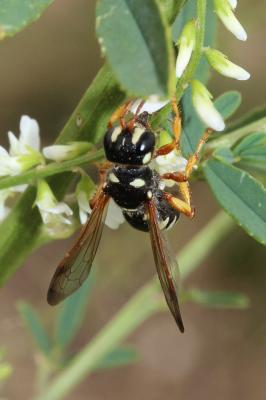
44,71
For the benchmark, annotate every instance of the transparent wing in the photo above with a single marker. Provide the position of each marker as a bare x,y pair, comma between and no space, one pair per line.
165,263
75,267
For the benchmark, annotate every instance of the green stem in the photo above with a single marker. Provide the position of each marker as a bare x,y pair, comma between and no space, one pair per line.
190,71
142,305
54,168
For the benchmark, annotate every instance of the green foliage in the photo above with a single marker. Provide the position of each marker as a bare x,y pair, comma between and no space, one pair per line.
33,323
240,195
16,15
216,299
228,103
71,314
251,151
121,356
140,45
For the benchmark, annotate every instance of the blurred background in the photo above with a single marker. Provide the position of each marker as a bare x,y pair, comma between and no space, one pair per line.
44,71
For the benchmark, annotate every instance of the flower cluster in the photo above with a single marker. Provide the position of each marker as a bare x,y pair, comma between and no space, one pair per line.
201,97
25,153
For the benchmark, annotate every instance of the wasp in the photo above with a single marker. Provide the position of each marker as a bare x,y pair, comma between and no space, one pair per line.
129,179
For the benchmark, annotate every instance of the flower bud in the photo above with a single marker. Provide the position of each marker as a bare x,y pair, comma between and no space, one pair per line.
186,43
223,9
201,98
221,64
62,152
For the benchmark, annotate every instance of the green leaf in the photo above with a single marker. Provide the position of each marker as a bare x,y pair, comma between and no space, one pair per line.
251,151
240,195
71,314
15,15
136,40
228,103
121,356
32,321
224,154
254,115
216,299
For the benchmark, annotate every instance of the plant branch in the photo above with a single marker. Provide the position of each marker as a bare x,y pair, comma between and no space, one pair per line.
142,305
53,168
190,71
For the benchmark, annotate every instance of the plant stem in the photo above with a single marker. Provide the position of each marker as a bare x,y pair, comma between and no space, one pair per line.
190,71
54,168
142,305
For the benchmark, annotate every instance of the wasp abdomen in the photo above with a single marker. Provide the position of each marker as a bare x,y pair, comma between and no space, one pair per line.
167,215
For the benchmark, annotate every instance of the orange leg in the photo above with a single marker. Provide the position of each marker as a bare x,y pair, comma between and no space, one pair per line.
175,144
179,205
119,114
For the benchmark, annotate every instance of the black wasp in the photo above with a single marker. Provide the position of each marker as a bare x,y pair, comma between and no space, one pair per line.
138,189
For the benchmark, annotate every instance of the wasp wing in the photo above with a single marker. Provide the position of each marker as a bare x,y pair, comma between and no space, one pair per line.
75,267
165,263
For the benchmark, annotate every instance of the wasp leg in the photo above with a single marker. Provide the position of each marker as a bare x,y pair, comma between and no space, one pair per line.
183,206
167,148
133,120
119,115
193,159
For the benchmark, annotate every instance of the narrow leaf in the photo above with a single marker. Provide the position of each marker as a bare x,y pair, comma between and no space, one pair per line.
15,15
254,115
251,151
228,103
121,356
240,195
71,314
32,321
217,299
136,40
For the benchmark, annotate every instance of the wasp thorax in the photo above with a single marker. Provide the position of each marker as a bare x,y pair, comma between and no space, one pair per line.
129,147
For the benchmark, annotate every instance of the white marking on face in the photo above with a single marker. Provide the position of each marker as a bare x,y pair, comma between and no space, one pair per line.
163,223
172,224
115,134
146,158
149,194
138,132
145,217
137,183
113,178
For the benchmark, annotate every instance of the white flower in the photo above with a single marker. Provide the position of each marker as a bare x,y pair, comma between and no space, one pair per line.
201,98
233,3
4,195
223,9
54,214
62,152
84,191
151,105
171,162
24,151
186,44
220,63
